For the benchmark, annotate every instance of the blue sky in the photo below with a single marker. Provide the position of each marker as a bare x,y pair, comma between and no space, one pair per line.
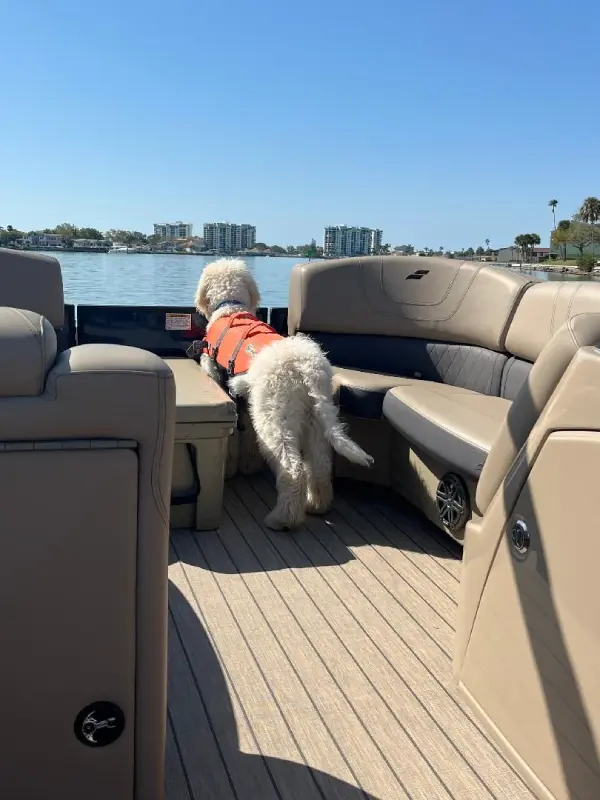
443,123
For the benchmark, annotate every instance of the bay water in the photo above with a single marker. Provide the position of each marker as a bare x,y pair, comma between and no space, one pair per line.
141,279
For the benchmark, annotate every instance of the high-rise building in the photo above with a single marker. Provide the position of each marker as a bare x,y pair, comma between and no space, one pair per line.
173,230
341,240
227,237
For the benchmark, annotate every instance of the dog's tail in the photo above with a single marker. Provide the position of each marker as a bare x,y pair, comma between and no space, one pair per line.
335,433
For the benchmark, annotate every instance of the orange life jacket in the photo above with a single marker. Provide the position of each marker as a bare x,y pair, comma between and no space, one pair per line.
234,340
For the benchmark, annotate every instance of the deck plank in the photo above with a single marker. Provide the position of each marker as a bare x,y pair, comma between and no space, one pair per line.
426,575
176,780
412,663
199,748
317,665
418,530
266,732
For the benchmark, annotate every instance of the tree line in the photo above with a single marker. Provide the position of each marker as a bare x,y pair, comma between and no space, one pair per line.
579,232
464,252
70,232
526,243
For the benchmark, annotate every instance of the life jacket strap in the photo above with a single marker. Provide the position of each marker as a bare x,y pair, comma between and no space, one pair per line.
239,345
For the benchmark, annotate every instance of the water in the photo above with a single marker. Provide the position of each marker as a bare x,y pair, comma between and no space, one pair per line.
555,276
130,279
134,279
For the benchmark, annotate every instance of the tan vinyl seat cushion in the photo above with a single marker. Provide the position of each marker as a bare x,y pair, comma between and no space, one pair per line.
453,425
360,392
199,398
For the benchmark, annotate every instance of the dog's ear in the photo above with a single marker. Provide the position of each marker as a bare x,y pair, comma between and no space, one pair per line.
254,293
201,299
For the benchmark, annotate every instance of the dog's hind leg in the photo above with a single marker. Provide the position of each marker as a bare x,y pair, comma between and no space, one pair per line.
290,507
281,448
318,466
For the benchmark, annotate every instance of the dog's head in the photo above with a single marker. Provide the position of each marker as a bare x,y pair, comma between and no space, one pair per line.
227,279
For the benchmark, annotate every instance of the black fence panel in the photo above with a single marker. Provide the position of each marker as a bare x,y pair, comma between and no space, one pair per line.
279,320
166,331
66,337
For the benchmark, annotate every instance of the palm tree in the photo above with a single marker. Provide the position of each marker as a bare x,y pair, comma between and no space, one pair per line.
534,241
590,213
487,245
520,245
560,237
553,204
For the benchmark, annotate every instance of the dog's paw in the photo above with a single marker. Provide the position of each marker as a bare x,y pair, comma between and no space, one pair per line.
275,523
319,501
318,509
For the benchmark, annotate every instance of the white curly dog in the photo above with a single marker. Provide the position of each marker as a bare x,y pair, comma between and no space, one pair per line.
288,387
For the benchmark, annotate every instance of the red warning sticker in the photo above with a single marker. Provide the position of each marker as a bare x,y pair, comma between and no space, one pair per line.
178,322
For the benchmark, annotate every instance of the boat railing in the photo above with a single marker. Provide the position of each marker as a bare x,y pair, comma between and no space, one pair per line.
165,330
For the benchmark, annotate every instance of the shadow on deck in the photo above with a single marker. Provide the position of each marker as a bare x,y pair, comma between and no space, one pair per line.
318,664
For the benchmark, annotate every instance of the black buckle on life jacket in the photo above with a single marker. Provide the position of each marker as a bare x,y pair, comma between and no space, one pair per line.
196,348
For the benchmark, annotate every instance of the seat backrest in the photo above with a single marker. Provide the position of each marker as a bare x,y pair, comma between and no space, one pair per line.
34,282
549,367
436,298
437,319
86,452
542,310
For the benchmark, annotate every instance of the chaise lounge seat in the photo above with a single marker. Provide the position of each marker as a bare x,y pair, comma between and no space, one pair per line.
430,361
456,426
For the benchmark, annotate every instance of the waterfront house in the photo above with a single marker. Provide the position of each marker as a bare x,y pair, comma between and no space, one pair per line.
41,240
91,244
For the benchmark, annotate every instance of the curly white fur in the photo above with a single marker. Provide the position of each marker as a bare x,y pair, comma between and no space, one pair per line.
289,391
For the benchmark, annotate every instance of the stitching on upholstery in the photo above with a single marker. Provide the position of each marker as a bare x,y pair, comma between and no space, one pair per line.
475,370
571,331
471,364
414,318
444,297
158,445
504,381
570,327
512,311
36,335
557,291
43,343
155,482
572,300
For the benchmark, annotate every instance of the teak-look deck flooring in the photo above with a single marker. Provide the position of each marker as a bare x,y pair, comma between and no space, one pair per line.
317,665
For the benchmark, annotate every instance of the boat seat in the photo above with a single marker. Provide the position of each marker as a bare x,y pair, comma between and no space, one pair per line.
454,425
360,392
86,437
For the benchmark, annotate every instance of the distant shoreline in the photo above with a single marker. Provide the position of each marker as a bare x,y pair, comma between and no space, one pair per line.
561,269
134,252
